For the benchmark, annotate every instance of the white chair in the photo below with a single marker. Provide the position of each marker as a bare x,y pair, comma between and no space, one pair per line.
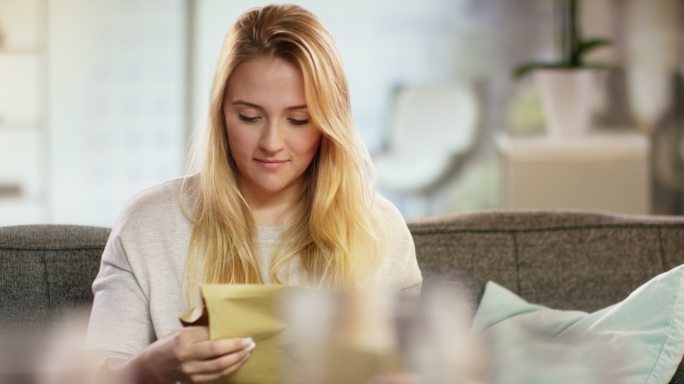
433,128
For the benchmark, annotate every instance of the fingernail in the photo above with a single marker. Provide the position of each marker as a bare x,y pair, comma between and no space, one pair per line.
247,342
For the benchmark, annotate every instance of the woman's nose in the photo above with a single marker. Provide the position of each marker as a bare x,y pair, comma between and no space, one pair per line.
272,139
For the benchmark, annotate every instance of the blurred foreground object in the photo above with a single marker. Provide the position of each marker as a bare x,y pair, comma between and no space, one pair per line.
438,342
313,336
52,353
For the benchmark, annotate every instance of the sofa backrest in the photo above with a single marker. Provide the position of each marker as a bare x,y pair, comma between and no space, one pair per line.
47,268
564,260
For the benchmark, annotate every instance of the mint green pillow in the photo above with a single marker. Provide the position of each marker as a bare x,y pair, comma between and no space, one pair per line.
638,340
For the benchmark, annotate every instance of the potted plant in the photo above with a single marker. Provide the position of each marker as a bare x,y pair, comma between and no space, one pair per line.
565,86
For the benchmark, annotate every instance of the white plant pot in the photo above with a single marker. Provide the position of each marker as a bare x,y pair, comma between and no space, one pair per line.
566,97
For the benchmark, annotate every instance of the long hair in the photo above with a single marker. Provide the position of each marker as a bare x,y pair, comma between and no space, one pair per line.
334,233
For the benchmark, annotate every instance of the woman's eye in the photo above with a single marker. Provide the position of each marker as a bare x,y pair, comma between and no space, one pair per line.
249,119
298,122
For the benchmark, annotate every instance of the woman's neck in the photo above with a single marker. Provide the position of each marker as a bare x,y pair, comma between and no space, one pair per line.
273,209
276,215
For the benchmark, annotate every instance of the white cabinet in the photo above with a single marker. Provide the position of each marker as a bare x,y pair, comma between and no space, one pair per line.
604,172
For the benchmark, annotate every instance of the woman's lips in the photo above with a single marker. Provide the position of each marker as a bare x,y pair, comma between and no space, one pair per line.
271,164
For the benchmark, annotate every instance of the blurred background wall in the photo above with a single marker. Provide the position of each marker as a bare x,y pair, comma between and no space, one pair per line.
100,99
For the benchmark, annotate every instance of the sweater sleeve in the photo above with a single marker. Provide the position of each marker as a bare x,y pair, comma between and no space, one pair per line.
399,265
413,278
120,324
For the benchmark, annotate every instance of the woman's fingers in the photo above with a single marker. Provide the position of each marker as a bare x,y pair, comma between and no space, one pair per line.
192,335
209,349
218,364
193,344
204,377
200,359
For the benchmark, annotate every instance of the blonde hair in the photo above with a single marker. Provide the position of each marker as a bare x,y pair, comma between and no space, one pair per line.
335,232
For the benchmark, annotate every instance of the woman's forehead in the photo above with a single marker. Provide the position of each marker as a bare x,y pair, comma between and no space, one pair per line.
267,83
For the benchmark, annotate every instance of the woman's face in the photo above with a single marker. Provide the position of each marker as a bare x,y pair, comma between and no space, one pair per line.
271,137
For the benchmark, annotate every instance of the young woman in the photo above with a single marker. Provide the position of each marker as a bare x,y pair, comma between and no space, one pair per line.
283,196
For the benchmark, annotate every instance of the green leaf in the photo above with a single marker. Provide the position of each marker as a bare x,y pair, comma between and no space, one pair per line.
600,66
585,46
522,70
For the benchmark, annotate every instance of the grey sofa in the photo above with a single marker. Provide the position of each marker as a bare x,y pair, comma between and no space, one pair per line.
567,260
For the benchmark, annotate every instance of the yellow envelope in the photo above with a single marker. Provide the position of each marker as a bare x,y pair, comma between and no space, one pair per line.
254,311
236,311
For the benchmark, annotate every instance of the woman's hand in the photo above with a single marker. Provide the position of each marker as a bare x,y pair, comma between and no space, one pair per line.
189,356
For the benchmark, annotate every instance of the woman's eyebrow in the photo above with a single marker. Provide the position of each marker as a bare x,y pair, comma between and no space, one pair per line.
303,106
247,104
252,105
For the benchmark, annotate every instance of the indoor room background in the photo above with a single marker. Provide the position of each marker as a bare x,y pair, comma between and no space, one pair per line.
101,99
